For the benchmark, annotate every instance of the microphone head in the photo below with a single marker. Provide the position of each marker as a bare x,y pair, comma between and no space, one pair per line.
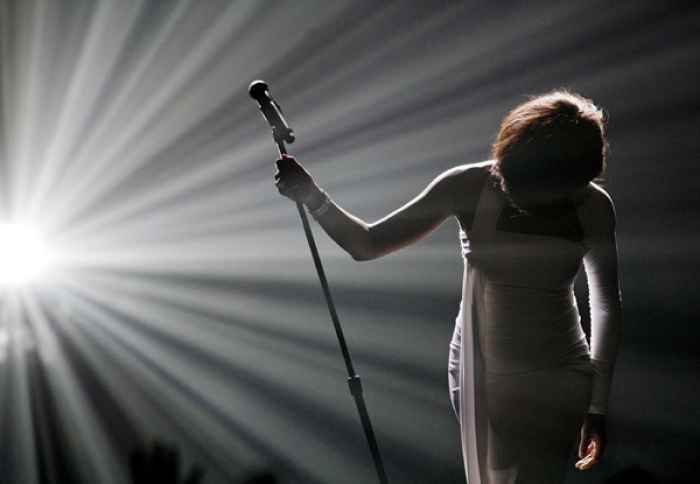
258,90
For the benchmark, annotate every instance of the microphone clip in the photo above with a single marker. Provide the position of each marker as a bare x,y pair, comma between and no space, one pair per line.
272,112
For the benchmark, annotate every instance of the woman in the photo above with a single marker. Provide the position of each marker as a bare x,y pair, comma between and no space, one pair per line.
522,375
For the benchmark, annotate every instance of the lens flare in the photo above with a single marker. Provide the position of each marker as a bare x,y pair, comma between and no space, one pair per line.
22,254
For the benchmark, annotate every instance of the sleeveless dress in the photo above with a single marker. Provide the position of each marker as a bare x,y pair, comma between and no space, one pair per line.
522,375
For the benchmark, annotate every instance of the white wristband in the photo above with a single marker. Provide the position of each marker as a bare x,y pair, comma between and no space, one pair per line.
323,208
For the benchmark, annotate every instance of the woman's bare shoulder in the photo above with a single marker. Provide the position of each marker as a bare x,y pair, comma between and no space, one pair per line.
596,209
471,169
462,186
469,175
597,198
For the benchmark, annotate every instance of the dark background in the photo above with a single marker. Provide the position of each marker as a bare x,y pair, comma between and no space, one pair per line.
182,303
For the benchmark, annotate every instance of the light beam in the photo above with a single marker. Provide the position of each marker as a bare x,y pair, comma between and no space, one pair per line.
22,254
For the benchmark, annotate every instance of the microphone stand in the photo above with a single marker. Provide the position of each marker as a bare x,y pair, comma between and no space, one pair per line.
353,378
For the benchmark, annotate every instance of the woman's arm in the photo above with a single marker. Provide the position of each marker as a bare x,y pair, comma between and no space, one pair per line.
364,241
600,260
598,220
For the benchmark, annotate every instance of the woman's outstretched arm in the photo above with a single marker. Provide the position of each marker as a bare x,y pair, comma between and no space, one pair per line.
364,241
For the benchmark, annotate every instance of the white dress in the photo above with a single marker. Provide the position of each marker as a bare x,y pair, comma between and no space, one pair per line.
518,316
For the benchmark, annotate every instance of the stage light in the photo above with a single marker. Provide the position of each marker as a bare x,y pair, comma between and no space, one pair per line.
22,255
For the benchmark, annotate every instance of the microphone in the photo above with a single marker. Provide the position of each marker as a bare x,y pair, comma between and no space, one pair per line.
271,111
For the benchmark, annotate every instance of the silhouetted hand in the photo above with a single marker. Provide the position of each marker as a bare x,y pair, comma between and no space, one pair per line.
263,477
160,465
593,441
292,178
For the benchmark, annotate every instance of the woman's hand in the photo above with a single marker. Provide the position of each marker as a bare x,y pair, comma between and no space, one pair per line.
291,178
593,441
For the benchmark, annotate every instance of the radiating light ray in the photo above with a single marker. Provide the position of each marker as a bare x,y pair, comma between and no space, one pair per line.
182,198
83,90
65,412
105,138
123,154
161,360
19,460
20,144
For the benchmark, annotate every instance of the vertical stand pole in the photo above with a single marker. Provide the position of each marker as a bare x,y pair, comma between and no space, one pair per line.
353,379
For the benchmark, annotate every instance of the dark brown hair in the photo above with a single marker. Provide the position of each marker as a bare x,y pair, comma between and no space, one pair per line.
549,147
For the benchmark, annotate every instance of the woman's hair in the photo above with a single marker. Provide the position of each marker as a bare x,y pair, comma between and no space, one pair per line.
549,147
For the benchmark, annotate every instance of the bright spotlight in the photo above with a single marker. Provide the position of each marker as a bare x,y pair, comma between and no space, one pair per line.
22,254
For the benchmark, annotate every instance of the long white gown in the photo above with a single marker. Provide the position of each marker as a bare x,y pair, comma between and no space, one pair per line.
519,314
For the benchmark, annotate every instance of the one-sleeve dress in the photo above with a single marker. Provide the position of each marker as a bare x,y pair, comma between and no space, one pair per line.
518,315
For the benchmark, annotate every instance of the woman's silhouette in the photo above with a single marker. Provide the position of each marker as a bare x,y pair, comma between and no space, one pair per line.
523,378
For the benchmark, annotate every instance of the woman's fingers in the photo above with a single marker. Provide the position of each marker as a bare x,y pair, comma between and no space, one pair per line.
287,176
287,163
286,182
290,174
591,458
